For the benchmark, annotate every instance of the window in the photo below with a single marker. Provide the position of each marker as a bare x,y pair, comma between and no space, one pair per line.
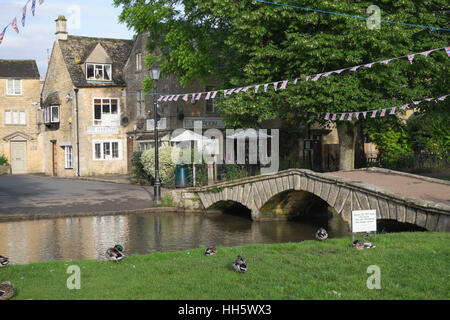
51,114
69,157
15,117
98,72
210,104
138,61
106,112
145,145
14,87
140,105
107,150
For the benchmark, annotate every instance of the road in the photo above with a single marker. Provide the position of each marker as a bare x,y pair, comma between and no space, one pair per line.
35,195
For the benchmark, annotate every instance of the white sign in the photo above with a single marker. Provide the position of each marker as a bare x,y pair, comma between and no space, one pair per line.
364,221
207,123
103,130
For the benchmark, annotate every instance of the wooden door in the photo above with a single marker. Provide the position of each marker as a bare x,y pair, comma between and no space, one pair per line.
55,160
18,157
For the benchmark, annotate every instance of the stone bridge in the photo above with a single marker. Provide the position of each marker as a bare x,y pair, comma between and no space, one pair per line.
403,197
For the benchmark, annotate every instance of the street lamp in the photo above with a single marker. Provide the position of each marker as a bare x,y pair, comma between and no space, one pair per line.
155,72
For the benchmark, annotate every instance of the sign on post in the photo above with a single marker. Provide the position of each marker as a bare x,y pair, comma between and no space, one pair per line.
364,221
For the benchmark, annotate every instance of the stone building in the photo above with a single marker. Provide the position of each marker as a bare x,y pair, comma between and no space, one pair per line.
20,142
174,115
83,106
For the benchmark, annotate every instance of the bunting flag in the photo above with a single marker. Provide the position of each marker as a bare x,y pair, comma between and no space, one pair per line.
208,95
166,98
185,97
214,94
374,113
443,98
357,115
160,98
405,106
342,117
41,2
2,35
393,111
176,98
383,113
198,96
33,7
334,117
364,114
327,116
316,77
14,25
24,15
350,115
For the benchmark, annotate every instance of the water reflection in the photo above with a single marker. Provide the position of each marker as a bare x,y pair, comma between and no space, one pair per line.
80,238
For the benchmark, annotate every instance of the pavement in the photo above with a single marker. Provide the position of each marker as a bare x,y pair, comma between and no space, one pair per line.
32,195
407,185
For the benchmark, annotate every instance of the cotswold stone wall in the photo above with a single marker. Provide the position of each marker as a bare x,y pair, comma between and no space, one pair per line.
5,170
341,194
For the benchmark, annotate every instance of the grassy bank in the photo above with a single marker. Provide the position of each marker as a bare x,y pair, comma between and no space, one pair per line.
413,266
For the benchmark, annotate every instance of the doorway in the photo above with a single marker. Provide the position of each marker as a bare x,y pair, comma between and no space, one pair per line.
18,157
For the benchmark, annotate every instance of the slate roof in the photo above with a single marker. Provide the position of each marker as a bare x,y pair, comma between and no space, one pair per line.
76,49
52,99
23,69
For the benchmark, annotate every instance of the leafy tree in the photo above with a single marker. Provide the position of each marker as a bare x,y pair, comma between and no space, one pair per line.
247,42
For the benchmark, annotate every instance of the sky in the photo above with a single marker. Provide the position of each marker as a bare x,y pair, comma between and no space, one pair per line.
93,18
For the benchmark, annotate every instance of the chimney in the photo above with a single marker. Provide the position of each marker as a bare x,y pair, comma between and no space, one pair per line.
61,28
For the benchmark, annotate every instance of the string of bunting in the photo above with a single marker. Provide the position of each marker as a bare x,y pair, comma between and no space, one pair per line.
282,84
371,114
13,23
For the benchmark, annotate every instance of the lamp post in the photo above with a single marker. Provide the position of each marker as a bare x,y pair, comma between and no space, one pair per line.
155,72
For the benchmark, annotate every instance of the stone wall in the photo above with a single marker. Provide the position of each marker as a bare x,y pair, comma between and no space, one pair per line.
5,170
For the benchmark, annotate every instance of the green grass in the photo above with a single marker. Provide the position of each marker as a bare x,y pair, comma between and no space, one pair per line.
446,179
413,266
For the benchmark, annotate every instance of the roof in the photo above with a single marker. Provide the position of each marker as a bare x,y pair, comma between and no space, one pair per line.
19,69
76,49
52,99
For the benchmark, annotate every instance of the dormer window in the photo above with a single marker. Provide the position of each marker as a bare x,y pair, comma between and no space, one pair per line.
98,72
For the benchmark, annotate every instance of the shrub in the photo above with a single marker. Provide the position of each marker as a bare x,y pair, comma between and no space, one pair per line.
138,169
3,160
233,172
166,166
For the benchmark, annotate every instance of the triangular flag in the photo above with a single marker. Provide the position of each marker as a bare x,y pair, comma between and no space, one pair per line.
256,88
334,117
339,71
214,94
185,97
208,95
307,78
176,98
369,65
426,53
198,96
327,74
170,98
327,116
14,25
364,114
33,7
383,113
355,68
193,98
443,98
393,110
317,77
275,86
447,49
24,15
416,102
284,84
386,61
357,115
238,90
350,117
342,117
160,98
165,98
296,80
265,87
405,106
374,113
2,35
411,58
246,89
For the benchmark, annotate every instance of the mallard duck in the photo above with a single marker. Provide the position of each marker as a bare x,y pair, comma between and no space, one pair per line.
6,290
360,245
321,234
239,264
210,251
3,261
115,254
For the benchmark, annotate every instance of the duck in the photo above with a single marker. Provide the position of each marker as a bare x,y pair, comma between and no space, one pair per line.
210,251
360,245
321,234
3,261
115,254
239,264
6,290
